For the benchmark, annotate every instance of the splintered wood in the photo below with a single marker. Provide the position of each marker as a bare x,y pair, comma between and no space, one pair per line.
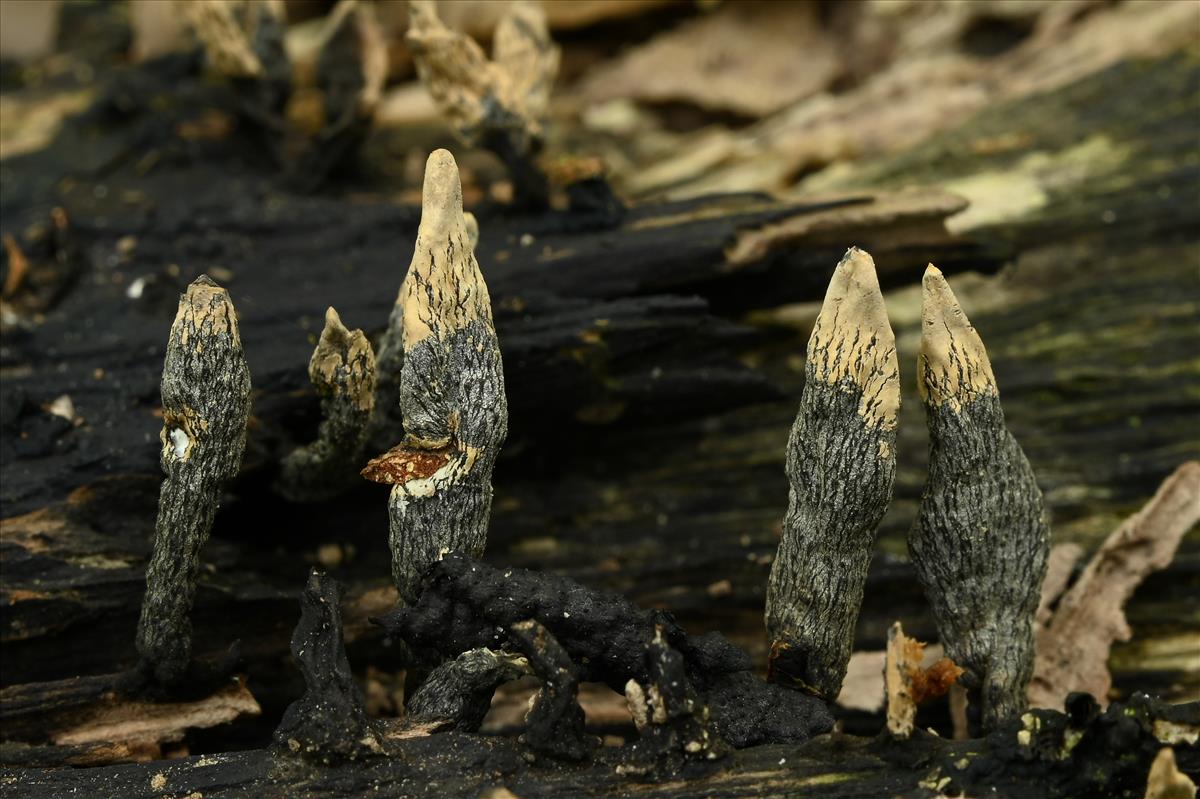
908,683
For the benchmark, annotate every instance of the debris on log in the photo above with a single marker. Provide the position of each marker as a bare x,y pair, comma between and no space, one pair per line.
467,605
909,683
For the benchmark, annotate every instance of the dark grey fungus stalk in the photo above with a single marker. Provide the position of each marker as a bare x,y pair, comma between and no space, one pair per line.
980,541
206,402
451,393
841,463
342,370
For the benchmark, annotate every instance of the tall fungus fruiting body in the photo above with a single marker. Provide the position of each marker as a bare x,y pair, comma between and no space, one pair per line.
841,464
451,391
206,403
980,541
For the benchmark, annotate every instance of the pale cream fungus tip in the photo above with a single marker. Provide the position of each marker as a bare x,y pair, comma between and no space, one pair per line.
852,338
953,365
444,289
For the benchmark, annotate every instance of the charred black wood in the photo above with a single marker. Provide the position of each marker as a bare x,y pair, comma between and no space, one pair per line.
329,724
841,463
981,540
206,402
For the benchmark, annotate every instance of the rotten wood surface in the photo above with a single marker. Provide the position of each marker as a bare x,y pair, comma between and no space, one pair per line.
651,376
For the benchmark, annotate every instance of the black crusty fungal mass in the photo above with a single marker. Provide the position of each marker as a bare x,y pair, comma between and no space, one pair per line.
467,604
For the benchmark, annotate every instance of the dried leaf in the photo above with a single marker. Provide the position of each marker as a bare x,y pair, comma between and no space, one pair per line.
1072,649
705,61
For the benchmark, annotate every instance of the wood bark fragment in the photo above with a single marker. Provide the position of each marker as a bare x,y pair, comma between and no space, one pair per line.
980,541
841,463
206,403
1166,781
451,393
342,369
93,720
1059,565
1073,647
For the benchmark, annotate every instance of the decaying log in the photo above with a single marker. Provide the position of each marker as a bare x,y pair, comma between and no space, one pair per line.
841,463
206,402
980,541
636,420
1044,754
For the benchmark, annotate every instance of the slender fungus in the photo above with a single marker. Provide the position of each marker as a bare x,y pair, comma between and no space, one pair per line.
841,463
980,541
498,104
451,393
245,43
342,370
206,401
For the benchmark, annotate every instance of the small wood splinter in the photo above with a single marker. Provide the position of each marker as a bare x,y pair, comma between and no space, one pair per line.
841,463
451,393
342,370
206,402
980,541
908,684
